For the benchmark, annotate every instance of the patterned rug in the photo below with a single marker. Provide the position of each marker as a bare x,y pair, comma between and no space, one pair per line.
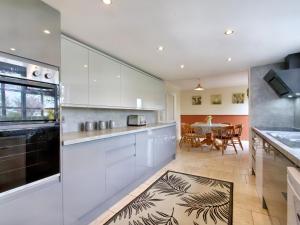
179,199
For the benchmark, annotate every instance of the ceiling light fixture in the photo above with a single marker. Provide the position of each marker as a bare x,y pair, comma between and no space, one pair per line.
228,32
85,66
290,96
182,66
160,48
199,87
47,31
107,2
229,59
12,49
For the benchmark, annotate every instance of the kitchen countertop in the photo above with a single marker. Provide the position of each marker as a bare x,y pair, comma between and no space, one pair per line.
292,154
79,137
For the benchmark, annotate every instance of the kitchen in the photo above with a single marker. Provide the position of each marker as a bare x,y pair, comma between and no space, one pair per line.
93,101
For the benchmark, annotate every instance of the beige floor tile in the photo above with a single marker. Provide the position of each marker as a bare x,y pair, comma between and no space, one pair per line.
260,219
242,216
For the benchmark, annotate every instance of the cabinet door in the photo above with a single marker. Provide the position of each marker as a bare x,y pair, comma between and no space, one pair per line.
83,179
154,93
39,205
74,73
120,163
133,88
144,154
104,81
164,141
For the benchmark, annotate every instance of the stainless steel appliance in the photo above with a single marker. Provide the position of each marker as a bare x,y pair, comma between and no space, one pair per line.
275,183
136,120
112,124
29,122
102,125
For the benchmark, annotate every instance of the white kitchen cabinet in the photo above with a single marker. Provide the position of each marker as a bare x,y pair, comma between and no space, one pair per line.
132,88
141,91
154,93
74,73
104,81
89,78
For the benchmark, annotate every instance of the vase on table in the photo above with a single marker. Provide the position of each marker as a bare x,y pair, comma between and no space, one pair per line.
209,120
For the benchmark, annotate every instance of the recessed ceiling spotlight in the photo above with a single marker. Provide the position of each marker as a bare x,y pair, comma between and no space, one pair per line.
290,96
160,48
298,94
12,49
47,31
107,2
228,32
182,66
85,66
229,59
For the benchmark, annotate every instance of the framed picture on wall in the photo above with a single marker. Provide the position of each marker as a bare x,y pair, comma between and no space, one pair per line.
238,98
216,99
197,100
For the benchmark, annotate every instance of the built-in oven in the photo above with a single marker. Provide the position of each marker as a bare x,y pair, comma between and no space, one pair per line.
29,122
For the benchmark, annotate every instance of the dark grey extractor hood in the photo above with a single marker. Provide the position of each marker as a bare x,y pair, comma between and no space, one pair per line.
286,83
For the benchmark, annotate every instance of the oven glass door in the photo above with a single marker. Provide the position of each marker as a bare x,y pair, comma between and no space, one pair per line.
28,153
22,101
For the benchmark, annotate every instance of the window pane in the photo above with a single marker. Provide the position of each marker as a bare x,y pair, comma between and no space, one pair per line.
12,87
13,114
49,114
33,101
33,113
48,101
12,98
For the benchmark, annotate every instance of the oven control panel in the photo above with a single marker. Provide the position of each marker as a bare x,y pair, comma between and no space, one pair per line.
22,68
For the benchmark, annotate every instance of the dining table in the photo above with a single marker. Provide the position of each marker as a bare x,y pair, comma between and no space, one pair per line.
206,130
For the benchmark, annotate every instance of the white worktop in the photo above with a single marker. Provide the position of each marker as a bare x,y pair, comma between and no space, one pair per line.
292,154
79,137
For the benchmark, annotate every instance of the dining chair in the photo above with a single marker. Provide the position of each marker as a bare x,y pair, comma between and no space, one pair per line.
222,138
190,136
238,129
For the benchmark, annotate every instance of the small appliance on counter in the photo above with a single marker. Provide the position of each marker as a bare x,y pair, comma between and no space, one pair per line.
136,120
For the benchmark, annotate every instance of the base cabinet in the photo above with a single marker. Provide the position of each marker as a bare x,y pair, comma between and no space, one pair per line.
95,172
39,205
83,180
164,144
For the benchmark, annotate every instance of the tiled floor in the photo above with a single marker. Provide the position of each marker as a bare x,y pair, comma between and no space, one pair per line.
246,209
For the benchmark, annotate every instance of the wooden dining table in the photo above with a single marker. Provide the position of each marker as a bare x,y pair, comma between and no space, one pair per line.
206,129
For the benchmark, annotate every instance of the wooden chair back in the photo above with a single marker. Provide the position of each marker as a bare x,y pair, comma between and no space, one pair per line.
238,129
223,133
186,129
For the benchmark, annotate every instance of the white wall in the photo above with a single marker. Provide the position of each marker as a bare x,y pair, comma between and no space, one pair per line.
175,91
226,108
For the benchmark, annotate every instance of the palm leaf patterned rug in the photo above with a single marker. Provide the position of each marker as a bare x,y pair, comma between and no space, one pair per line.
179,199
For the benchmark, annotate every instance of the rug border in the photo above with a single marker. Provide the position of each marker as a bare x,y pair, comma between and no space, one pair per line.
231,196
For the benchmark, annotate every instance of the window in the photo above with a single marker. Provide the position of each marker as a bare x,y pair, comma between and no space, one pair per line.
26,103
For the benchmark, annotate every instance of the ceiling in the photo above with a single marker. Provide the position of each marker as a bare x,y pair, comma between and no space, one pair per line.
217,81
191,32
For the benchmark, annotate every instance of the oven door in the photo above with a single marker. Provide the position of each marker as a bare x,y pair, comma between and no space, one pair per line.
28,153
27,101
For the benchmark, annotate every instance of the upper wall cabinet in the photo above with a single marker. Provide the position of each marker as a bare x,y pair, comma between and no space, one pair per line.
104,81
141,91
133,87
89,78
74,73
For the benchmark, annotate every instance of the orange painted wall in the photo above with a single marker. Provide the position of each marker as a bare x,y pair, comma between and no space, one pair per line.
233,119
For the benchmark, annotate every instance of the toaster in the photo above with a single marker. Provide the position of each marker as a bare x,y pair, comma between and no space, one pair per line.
136,120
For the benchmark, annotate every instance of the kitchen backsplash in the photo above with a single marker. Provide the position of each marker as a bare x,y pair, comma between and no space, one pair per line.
297,113
73,117
266,108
